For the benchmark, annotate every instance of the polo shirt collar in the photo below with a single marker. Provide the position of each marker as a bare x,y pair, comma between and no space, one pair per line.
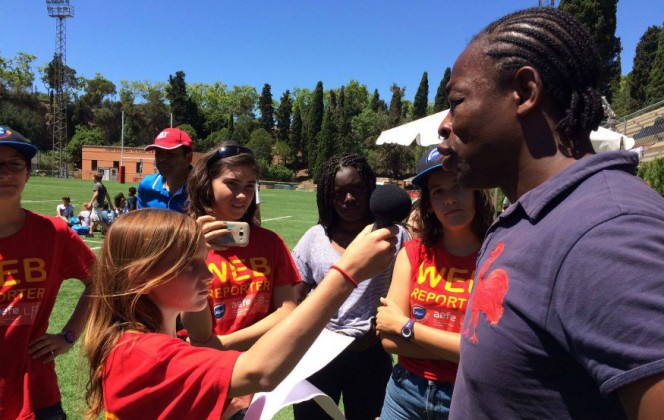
537,202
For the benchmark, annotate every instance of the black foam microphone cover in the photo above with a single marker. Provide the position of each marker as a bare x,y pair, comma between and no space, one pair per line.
389,205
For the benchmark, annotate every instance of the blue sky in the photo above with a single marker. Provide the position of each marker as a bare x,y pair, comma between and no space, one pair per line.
284,43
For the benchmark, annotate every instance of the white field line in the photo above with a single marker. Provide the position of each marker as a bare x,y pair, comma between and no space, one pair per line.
38,201
275,218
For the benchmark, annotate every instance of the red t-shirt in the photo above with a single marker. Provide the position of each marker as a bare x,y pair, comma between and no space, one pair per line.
440,285
33,263
150,376
244,278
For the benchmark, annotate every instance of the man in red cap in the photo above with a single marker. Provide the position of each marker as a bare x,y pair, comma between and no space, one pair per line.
167,189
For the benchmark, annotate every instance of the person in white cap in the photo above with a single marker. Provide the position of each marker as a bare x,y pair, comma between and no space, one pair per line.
36,254
167,189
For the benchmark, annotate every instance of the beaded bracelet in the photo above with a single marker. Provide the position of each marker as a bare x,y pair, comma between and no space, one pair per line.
344,274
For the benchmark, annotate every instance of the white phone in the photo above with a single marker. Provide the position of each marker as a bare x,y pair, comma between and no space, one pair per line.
239,235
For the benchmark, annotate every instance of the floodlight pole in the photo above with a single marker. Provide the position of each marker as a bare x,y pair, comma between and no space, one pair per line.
61,10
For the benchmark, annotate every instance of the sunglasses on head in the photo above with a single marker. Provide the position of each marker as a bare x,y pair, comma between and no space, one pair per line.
228,151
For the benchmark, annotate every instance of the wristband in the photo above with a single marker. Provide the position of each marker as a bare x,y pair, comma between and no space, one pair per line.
344,274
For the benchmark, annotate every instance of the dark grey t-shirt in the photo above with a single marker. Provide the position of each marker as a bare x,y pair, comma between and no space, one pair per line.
101,194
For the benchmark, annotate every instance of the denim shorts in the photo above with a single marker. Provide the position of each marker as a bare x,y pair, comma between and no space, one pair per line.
410,396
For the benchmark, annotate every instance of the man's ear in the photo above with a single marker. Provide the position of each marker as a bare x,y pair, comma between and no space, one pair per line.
527,84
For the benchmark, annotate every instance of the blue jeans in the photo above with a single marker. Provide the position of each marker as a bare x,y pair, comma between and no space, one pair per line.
410,396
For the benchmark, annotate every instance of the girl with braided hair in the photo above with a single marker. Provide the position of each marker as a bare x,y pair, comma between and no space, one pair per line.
565,316
360,372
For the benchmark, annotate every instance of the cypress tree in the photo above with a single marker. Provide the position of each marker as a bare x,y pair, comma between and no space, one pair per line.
295,142
266,108
655,88
341,119
599,19
176,92
231,126
442,102
284,117
376,103
395,105
314,122
639,78
421,98
326,142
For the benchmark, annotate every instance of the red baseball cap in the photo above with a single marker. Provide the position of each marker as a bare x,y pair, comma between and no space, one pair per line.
171,138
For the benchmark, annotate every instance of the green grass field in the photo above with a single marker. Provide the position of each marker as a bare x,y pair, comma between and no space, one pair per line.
289,213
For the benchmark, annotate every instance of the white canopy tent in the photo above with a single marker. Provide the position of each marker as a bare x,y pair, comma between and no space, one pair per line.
425,133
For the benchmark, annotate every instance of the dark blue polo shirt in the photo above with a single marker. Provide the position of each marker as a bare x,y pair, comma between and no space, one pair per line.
568,300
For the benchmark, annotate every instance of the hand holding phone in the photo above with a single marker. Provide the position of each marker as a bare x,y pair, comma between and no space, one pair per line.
237,235
220,235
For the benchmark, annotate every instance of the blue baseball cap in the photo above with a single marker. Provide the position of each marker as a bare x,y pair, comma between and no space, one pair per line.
12,138
429,161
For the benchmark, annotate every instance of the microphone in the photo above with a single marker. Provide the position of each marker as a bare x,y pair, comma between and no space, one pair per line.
389,205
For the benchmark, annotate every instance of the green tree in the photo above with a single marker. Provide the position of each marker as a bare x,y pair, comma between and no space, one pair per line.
376,103
396,104
296,136
442,102
367,127
176,92
16,74
326,142
623,103
599,19
644,57
284,117
96,90
261,143
653,174
83,136
356,98
421,98
266,108
48,75
655,88
341,120
314,123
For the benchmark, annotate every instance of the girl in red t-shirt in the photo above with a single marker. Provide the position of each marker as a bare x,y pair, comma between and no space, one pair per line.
152,266
252,286
421,318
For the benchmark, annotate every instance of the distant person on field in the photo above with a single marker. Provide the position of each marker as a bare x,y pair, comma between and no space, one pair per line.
120,203
167,189
36,254
99,197
108,215
65,210
131,199
84,215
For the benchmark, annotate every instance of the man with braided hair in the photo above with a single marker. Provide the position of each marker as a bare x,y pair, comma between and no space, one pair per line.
359,373
578,333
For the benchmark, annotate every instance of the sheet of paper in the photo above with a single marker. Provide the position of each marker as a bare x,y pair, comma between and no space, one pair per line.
295,388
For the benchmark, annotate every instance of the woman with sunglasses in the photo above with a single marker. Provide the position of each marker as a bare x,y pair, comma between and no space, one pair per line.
252,288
